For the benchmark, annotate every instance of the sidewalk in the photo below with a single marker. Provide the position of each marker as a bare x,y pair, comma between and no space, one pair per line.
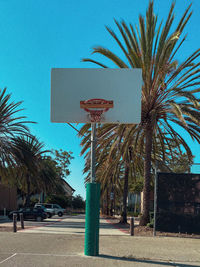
74,225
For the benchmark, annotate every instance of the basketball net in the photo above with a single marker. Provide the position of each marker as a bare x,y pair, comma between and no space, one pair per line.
96,107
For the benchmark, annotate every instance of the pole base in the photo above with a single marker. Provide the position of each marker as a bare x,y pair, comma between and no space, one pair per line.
92,219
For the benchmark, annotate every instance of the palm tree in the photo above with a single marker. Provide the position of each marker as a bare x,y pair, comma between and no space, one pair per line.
27,152
119,166
10,125
116,162
169,87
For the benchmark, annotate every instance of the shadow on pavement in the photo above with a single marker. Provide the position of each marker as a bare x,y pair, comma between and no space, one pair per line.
77,225
150,261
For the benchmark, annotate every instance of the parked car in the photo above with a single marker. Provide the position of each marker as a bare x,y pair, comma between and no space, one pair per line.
37,214
48,211
51,209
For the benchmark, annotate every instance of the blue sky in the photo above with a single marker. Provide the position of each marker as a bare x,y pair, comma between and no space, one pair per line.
37,35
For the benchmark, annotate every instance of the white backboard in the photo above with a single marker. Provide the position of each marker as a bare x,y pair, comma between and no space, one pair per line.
69,86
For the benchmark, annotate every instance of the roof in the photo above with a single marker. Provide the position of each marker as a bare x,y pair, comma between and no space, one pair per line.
68,185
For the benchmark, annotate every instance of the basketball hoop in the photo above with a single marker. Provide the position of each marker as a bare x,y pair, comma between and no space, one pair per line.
96,107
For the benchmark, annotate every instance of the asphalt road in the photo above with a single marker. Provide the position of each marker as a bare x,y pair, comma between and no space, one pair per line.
56,250
60,242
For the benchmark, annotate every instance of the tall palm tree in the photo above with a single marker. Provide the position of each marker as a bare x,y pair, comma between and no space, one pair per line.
169,87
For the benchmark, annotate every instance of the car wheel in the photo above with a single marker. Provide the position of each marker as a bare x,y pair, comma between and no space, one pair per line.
60,214
49,215
39,219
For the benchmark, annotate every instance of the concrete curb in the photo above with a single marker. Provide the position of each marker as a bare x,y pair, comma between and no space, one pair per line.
124,230
3,218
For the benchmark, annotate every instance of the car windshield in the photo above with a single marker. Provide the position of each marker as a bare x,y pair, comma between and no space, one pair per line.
57,206
27,209
48,206
38,209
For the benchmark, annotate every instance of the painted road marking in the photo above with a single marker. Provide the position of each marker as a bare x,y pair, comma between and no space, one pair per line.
8,258
39,254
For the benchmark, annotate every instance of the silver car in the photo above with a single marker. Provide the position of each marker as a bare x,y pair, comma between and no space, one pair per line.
51,209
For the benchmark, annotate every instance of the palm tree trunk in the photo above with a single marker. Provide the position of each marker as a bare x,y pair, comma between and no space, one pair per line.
125,194
114,206
28,195
147,175
104,205
107,202
111,199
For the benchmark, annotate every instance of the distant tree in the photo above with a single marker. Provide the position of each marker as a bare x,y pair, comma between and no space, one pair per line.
78,202
60,199
181,164
63,159
51,181
137,186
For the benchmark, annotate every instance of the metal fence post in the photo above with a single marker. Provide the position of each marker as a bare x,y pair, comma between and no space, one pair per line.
22,220
132,226
155,201
14,222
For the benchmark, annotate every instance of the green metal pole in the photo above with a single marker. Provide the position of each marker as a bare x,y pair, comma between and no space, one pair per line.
92,219
97,216
92,205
